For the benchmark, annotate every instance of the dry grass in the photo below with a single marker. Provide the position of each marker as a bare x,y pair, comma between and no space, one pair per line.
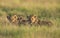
44,9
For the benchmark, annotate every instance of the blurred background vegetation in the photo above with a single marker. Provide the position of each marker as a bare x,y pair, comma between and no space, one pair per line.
44,9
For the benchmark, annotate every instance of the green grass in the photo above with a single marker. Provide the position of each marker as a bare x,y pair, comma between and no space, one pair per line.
29,32
44,9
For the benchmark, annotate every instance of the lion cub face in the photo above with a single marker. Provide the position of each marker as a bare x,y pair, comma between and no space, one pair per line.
33,19
14,18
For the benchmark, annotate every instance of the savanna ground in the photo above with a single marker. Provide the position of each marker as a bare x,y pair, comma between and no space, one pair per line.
44,9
